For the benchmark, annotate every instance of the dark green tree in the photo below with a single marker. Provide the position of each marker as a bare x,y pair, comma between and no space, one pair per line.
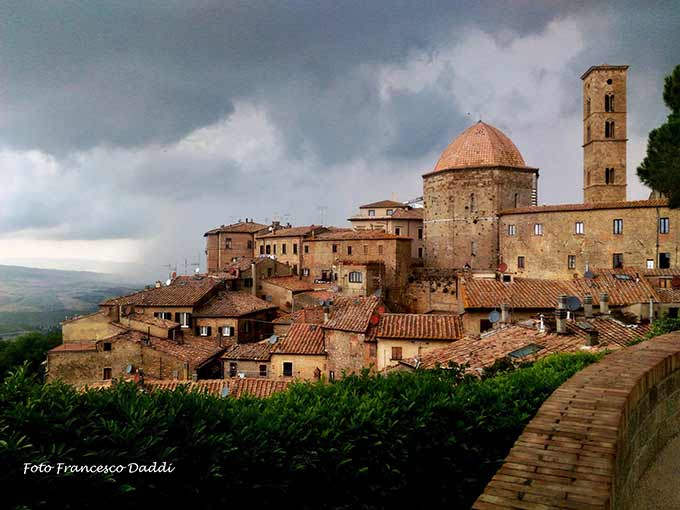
660,170
30,348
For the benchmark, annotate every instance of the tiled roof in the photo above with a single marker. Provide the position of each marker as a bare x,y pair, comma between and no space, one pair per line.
603,66
353,313
259,351
290,283
149,319
78,317
626,289
383,204
408,214
354,235
302,338
668,295
75,347
311,315
293,232
420,326
232,304
238,387
183,291
194,350
240,227
480,145
483,352
661,272
662,202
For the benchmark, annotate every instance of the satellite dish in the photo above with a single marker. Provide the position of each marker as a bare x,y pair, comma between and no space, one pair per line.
494,316
168,281
573,303
273,339
128,369
197,270
589,275
503,267
378,293
225,391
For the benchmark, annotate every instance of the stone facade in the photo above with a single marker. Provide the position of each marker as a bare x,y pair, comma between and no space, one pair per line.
604,146
348,352
309,367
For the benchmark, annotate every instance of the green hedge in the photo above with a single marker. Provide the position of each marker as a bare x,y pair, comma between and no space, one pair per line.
429,438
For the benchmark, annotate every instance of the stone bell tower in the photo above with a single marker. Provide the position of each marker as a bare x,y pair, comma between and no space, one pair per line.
604,134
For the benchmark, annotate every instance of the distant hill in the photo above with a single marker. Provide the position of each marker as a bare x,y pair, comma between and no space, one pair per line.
32,298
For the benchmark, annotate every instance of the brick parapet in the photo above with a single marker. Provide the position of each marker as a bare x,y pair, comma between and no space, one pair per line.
595,436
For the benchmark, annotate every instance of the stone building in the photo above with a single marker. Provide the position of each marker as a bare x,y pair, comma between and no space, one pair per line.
285,244
238,275
301,354
227,243
283,291
394,218
247,360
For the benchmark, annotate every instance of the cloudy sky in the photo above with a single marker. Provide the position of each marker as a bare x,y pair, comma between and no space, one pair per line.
127,131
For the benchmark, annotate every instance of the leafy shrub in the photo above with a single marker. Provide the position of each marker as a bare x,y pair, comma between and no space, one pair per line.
428,438
31,348
663,326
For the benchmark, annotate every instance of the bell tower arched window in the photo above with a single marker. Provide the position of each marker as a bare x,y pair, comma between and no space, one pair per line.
609,103
609,129
588,134
609,176
473,205
588,106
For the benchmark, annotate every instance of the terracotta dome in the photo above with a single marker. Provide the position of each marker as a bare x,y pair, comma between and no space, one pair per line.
480,145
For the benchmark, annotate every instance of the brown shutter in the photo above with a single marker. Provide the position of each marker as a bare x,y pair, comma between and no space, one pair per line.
209,331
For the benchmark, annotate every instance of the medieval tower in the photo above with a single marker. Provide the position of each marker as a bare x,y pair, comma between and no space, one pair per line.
480,174
604,134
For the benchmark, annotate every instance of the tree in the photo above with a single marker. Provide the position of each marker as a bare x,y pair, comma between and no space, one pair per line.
660,169
30,348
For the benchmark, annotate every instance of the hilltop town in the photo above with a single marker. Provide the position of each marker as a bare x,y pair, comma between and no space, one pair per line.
472,272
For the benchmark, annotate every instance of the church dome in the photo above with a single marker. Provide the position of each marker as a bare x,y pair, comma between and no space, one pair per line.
480,145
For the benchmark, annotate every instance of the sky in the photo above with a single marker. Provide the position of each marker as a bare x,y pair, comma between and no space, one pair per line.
127,131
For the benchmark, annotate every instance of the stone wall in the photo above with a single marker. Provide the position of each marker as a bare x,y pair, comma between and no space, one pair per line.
218,255
304,365
592,440
95,326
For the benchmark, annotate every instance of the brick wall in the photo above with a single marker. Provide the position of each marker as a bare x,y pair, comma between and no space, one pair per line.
217,253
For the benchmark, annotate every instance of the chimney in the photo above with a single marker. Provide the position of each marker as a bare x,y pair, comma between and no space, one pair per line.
588,306
158,284
561,315
592,337
604,303
541,323
253,277
651,309
505,313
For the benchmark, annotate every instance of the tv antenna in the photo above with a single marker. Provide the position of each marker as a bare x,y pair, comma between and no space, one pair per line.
322,213
170,269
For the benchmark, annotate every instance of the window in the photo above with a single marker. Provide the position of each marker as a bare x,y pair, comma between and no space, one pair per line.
588,178
420,233
588,106
516,200
609,103
527,350
396,353
335,248
233,369
618,226
107,346
665,283
473,248
579,228
263,370
420,253
609,176
295,269
107,374
294,248
473,205
617,260
365,249
274,249
664,225
355,277
571,261
305,272
268,249
287,369
163,315
203,330
650,264
538,229
283,249
380,249
261,249
227,331
250,244
485,325
269,271
390,212
520,262
349,250
609,129
512,230
588,134
227,243
248,282
673,313
306,248
183,319
397,231
371,212
331,375
664,260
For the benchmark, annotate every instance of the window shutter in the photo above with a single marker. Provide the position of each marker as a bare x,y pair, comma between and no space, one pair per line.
155,314
219,330
176,316
197,331
209,331
231,330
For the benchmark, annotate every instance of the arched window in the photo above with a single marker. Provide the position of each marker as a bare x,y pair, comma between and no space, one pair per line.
473,248
609,176
588,178
516,200
609,129
588,134
473,206
609,103
588,106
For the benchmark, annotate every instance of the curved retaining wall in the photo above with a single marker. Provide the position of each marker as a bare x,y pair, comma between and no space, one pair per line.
592,440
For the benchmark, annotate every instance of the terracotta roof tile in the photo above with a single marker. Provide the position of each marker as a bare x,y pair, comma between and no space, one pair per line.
480,145
354,235
383,204
624,286
310,315
259,351
238,387
661,272
409,214
294,232
302,338
587,207
75,347
420,326
354,313
149,319
240,227
232,304
183,291
290,283
669,295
